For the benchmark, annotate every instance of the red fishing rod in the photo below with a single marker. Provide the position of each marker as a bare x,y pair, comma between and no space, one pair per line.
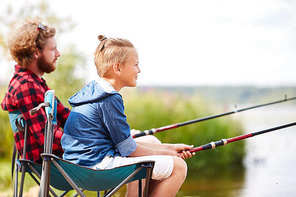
213,145
173,126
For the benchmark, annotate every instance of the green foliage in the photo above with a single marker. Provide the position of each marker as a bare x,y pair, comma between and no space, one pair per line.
153,110
6,186
5,176
6,136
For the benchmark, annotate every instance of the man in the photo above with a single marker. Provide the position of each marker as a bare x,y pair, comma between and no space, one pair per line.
33,47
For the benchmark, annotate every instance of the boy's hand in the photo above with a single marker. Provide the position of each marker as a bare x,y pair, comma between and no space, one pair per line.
182,150
186,154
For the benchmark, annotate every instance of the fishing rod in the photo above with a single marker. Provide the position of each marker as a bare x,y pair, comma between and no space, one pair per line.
222,142
173,126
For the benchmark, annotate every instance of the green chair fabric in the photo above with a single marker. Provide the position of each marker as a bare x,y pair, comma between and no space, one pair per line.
87,178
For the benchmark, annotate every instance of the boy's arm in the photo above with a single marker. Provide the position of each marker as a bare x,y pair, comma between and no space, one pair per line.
144,149
178,147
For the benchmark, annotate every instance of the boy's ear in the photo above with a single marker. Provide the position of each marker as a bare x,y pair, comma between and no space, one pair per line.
116,68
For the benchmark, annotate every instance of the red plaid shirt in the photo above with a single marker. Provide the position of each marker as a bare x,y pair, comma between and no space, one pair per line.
26,91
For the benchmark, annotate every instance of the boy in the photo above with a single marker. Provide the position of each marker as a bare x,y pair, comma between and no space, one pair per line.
97,134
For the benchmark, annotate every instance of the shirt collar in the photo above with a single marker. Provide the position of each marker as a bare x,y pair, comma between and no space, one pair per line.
107,87
19,69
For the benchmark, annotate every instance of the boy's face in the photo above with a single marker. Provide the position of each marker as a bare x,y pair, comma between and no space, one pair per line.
129,71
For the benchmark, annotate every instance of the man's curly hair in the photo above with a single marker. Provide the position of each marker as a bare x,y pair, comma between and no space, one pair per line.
27,39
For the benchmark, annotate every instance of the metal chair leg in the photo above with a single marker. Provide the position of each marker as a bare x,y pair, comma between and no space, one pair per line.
23,170
126,180
15,187
44,182
148,177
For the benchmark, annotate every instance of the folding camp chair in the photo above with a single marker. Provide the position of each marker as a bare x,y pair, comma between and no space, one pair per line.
83,178
23,165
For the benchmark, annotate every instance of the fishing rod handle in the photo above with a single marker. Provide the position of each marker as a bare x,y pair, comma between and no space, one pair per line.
211,145
144,133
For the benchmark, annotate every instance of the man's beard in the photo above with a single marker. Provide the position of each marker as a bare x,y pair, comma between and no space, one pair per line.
44,65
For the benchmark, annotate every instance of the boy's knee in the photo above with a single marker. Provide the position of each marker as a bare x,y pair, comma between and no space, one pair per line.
180,167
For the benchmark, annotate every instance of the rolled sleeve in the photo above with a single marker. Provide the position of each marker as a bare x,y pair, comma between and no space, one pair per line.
116,125
127,146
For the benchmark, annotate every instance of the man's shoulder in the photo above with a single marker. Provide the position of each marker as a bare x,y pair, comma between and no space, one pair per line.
22,78
19,82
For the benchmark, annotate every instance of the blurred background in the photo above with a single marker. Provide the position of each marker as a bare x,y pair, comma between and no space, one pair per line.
197,58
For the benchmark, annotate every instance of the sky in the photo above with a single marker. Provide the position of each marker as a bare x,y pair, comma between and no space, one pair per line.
190,42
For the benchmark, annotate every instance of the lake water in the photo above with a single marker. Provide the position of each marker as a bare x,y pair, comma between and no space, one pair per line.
269,163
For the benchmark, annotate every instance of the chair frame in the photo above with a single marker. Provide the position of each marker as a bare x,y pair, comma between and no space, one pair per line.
23,165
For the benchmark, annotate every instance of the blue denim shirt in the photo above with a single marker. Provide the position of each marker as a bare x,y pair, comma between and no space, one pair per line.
96,126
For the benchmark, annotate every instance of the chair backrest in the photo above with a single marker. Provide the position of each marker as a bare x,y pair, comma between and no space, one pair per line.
51,109
18,124
13,117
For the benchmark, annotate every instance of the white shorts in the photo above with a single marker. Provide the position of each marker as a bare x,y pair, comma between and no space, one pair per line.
163,166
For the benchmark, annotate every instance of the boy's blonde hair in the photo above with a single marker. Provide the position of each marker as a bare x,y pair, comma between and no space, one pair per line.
27,39
109,52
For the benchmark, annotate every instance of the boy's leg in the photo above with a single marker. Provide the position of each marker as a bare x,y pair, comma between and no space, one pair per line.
171,185
167,187
132,188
